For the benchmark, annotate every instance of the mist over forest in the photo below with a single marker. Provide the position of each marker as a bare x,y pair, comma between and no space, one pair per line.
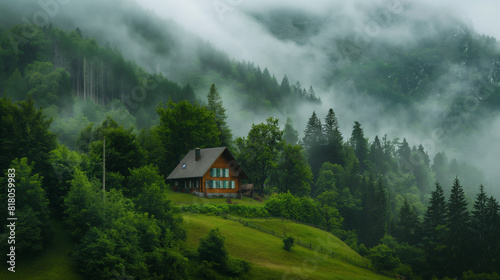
415,84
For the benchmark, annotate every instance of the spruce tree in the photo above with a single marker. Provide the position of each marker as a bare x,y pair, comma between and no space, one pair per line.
479,227
360,145
313,143
333,139
290,135
215,105
434,231
408,223
458,235
492,252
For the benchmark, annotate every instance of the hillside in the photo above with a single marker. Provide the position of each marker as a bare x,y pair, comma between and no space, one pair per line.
266,253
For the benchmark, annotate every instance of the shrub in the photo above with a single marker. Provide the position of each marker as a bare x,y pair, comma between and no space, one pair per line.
235,267
383,258
288,243
212,249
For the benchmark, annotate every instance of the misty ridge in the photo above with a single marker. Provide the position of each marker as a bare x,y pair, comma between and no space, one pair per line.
402,68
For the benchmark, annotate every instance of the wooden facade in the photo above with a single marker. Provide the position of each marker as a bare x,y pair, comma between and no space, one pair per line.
210,171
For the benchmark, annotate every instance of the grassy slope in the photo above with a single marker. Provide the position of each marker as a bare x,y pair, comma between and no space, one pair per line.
310,235
266,253
185,198
53,263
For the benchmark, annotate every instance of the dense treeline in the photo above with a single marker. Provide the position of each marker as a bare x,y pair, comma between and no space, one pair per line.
385,198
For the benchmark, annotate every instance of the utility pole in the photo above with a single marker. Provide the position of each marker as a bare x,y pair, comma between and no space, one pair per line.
104,169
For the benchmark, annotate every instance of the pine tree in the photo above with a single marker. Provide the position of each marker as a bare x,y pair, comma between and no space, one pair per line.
313,143
440,167
360,145
492,252
215,105
479,227
333,139
290,135
408,223
404,153
458,235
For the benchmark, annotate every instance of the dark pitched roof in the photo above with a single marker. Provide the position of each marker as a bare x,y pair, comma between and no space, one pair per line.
190,168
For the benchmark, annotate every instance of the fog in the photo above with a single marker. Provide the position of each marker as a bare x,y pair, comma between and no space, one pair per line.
238,28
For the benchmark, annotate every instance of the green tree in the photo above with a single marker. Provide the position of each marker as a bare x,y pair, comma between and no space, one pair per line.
212,248
408,224
293,173
64,163
32,212
290,135
328,208
25,132
288,243
459,233
122,149
259,152
383,258
215,105
360,145
492,257
333,139
440,167
479,227
313,141
184,126
434,231
47,85
84,205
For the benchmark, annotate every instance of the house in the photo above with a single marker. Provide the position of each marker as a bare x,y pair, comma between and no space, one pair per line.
208,172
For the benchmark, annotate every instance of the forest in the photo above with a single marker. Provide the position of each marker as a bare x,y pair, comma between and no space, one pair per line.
66,98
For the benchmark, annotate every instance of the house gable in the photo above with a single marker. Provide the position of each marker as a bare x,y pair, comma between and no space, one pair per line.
215,171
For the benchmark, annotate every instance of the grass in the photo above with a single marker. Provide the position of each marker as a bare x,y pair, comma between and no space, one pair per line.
310,235
52,263
186,198
265,252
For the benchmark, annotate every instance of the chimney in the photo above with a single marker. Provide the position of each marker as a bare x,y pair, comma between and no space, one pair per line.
197,154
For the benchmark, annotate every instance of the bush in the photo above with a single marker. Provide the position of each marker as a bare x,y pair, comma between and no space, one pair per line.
383,258
212,249
288,243
235,267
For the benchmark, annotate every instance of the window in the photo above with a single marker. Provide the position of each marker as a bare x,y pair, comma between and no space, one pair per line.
225,184
197,183
208,184
233,183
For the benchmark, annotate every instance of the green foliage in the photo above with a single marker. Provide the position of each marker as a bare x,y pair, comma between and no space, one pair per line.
293,173
83,205
259,152
459,235
212,249
328,209
469,275
64,163
25,133
215,105
48,86
290,135
247,211
383,258
122,149
185,126
236,267
32,207
288,243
